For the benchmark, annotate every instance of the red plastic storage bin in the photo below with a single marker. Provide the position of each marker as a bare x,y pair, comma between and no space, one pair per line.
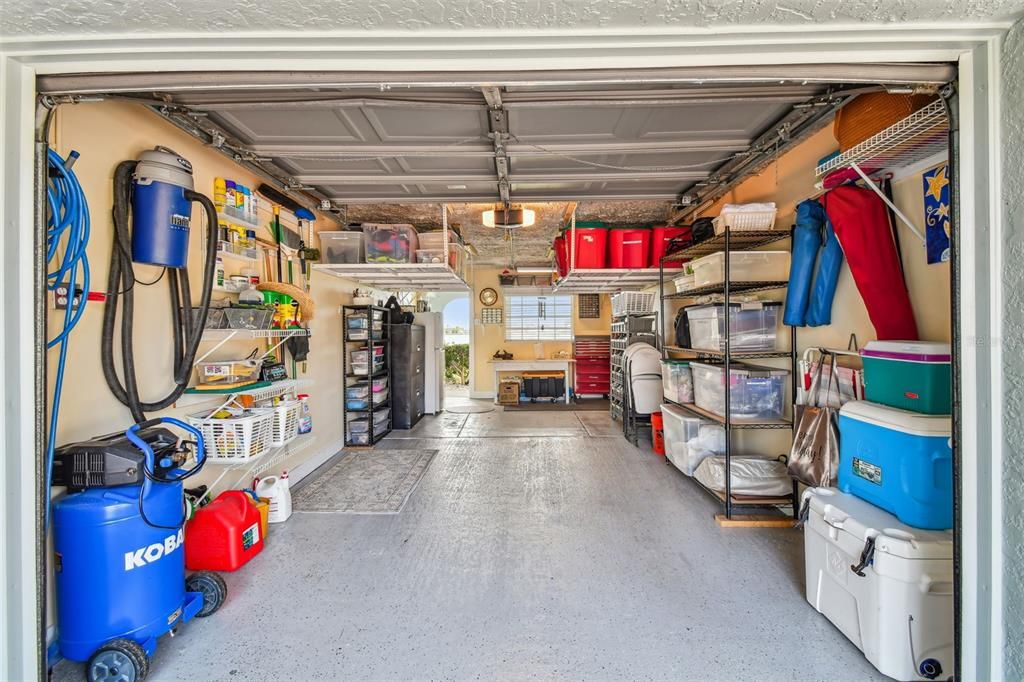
661,235
591,246
223,535
561,255
629,247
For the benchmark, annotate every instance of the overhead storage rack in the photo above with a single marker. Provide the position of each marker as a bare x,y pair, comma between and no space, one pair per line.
399,276
605,281
923,134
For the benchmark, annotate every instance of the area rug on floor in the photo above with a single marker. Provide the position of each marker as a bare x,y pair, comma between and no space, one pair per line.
366,482
594,405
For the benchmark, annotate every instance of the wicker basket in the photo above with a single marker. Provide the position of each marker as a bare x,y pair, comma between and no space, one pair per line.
872,113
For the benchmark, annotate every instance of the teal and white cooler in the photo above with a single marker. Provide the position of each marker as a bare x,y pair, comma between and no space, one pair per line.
910,375
898,460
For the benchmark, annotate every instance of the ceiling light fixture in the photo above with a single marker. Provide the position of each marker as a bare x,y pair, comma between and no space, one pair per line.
509,218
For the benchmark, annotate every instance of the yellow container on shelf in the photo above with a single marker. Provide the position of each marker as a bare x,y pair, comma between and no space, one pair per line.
263,506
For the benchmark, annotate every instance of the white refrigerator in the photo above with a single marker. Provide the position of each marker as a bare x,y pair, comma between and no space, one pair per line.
433,400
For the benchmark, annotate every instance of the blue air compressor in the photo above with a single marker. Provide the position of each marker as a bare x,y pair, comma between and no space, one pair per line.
119,559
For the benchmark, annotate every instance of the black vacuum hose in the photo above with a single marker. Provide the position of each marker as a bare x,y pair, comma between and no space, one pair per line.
120,290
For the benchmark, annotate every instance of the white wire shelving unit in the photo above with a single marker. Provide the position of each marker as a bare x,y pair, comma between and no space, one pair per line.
610,281
222,336
923,134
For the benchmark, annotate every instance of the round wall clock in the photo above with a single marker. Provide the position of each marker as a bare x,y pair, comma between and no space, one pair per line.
488,296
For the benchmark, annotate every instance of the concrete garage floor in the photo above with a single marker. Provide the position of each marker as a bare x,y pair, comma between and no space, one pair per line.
537,546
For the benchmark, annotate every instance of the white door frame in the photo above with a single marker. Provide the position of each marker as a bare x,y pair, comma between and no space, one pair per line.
976,48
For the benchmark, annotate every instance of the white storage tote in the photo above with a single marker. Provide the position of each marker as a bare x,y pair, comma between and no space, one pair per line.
898,608
245,435
744,266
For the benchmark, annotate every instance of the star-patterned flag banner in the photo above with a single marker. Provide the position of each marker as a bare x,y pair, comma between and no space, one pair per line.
936,213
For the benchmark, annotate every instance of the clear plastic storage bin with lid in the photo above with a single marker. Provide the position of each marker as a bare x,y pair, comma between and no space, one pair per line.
341,248
390,243
756,393
434,241
744,266
752,326
677,380
228,372
430,256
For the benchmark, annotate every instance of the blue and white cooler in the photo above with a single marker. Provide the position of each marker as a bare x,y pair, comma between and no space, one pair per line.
898,460
886,586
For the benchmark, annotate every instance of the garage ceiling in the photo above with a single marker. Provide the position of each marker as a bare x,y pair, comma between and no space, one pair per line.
488,144
623,146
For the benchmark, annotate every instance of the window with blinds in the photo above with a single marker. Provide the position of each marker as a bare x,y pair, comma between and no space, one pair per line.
538,318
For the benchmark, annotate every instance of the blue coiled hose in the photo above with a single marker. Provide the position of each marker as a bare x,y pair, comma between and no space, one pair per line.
67,225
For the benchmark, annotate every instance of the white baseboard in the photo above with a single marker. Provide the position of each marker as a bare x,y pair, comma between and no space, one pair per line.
481,395
313,462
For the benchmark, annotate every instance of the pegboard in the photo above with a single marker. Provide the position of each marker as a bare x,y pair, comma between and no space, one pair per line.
589,306
491,315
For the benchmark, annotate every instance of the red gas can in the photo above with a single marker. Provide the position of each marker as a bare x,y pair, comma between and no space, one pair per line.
224,534
661,235
629,247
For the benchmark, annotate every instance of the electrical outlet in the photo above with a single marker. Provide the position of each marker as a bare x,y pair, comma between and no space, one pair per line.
61,295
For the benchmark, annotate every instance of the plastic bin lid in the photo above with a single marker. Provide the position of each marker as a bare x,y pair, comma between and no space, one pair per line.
675,361
862,520
678,412
586,225
745,369
911,351
914,423
340,234
710,308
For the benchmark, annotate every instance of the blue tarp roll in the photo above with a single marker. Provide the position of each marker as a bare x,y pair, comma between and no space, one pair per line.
819,312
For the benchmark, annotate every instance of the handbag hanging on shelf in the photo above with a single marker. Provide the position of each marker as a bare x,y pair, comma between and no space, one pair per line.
814,459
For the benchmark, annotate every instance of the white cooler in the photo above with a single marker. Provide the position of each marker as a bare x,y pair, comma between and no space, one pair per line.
899,609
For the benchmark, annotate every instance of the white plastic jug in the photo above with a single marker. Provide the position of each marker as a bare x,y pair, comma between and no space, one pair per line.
276,490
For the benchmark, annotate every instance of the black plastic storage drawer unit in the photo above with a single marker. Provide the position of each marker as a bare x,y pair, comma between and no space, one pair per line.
543,384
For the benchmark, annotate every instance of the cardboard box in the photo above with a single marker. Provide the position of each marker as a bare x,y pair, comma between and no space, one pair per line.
508,393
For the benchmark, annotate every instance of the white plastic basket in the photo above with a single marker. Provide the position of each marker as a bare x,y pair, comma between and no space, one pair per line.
632,302
745,221
286,422
240,438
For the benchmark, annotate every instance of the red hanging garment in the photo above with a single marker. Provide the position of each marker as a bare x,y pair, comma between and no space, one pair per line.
861,224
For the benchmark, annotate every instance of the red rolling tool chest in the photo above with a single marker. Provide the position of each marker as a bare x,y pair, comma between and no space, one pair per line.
593,365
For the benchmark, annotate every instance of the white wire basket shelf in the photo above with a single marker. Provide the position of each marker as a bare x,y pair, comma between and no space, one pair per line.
607,281
923,134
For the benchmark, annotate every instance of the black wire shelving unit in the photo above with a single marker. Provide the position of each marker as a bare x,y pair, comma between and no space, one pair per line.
729,242
375,339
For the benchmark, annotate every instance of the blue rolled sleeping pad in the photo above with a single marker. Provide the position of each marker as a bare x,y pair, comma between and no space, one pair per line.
807,240
830,262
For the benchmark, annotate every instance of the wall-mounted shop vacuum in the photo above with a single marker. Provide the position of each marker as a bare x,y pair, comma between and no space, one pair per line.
153,199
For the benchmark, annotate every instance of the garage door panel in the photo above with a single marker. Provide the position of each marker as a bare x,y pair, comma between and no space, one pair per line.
711,121
565,123
299,125
431,124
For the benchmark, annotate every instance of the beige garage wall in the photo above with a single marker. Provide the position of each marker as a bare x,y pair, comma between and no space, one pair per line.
789,182
488,339
106,134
